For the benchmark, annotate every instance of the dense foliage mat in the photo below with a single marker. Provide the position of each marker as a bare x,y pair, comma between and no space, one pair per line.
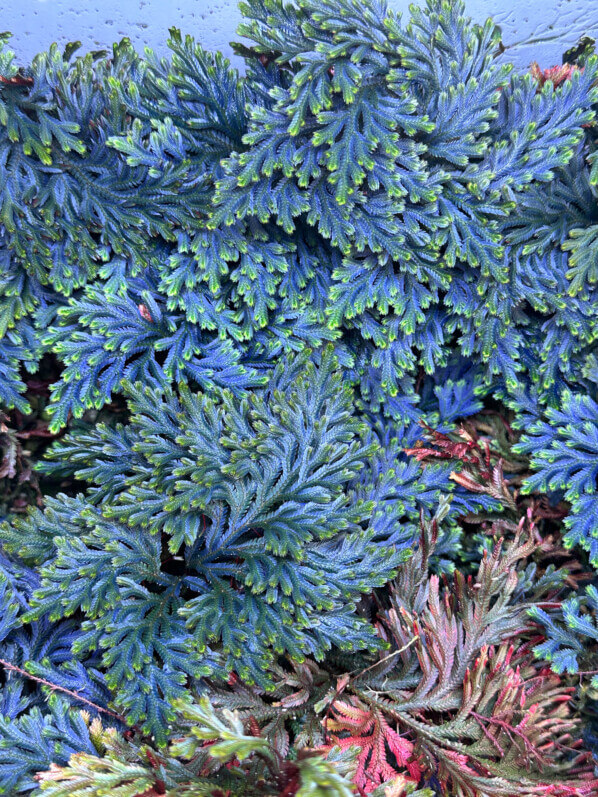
299,427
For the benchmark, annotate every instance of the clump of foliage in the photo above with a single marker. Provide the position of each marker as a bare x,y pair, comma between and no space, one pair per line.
299,413
214,520
458,701
457,697
358,184
224,760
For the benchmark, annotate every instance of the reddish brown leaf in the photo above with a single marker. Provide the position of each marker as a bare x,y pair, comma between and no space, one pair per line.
17,80
145,313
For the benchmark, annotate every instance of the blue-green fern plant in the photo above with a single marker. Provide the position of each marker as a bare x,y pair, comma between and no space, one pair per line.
37,729
277,276
354,185
576,625
218,533
564,456
554,242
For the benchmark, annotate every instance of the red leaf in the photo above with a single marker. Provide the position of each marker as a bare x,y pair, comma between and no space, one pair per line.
368,729
17,80
554,74
145,313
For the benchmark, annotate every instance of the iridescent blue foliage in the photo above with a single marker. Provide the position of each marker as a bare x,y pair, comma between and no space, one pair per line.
282,274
